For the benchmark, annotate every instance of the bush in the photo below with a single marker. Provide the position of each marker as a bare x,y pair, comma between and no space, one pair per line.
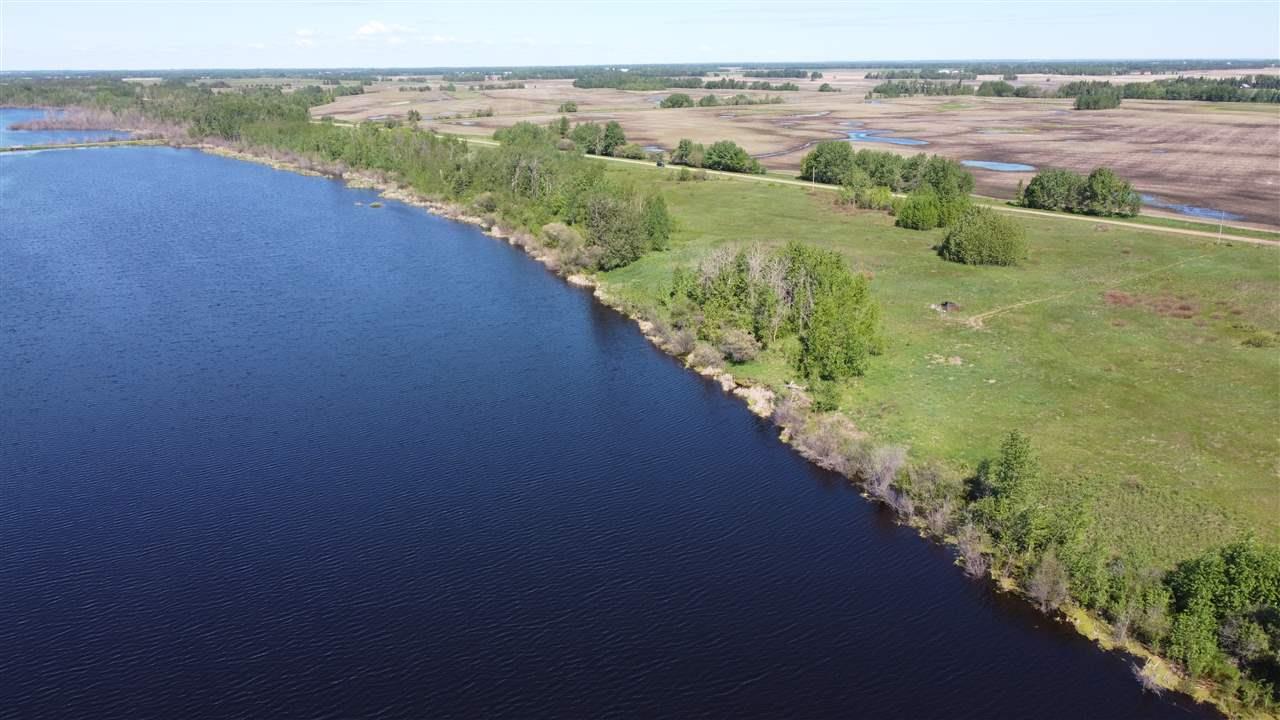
1106,193
565,144
920,211
739,346
704,355
709,101
1053,190
983,236
568,107
1261,339
657,221
561,236
826,395
676,100
875,198
945,176
631,151
1102,193
727,155
615,225
485,202
950,210
681,342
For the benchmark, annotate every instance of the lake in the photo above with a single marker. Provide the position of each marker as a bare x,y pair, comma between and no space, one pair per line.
266,451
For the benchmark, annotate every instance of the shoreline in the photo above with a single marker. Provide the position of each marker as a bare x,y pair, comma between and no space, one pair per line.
1155,672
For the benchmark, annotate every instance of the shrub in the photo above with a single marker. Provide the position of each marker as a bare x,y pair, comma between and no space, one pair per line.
826,87
788,412
739,346
1102,193
983,236
885,463
1106,193
615,225
727,155
565,144
676,100
826,396
561,236
704,355
944,176
920,211
1053,190
681,342
568,106
950,210
657,221
708,101
1048,585
485,202
631,151
969,541
1261,339
875,198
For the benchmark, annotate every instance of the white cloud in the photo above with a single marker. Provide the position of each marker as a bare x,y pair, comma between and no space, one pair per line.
304,32
377,27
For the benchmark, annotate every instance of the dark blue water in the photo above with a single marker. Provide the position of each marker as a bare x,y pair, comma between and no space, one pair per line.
18,138
1191,210
998,166
879,137
267,453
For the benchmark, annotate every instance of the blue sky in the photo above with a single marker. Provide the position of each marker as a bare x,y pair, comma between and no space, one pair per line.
147,35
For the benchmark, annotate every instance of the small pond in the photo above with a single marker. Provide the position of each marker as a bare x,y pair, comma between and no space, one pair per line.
878,136
1192,210
998,166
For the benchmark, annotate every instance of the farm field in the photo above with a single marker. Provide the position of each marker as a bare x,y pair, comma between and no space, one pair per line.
1216,156
1122,352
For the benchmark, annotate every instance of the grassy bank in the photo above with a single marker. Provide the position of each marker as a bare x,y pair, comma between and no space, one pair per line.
1122,352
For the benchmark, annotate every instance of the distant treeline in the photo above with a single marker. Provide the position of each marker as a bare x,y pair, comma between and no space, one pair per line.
498,86
629,81
937,74
907,88
784,73
1102,94
1249,88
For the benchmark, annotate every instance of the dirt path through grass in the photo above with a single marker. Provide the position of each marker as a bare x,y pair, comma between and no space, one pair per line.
978,321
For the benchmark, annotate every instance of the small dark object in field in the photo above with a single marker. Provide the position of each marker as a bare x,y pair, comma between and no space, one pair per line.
948,306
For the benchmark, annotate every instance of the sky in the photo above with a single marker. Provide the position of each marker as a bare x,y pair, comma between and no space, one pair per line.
59,35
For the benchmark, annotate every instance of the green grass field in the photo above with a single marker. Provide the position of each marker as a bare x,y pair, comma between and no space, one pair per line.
1120,351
